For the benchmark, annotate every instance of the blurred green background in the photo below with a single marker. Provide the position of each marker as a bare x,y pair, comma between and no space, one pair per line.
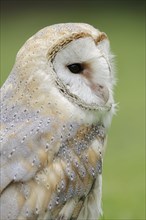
124,23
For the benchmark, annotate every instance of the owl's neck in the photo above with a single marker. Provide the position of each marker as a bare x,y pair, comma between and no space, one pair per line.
84,138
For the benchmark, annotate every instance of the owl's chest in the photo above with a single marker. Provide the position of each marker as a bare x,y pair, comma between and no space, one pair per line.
68,183
73,175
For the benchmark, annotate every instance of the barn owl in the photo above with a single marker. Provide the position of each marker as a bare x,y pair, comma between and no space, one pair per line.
56,107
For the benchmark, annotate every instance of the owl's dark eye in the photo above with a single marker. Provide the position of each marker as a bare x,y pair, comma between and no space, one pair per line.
75,67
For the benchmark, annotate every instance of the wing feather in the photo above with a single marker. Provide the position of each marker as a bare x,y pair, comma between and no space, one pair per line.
46,162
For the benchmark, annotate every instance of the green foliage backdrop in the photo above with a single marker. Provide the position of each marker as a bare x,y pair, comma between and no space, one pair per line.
124,23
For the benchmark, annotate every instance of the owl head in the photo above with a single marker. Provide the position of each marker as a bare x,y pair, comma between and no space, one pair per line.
70,62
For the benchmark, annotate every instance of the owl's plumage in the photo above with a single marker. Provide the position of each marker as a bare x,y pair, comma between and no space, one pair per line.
56,108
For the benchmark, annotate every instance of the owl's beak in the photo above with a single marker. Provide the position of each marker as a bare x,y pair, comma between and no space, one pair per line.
101,91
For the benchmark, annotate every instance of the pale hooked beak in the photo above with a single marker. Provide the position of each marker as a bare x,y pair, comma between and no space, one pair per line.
101,91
